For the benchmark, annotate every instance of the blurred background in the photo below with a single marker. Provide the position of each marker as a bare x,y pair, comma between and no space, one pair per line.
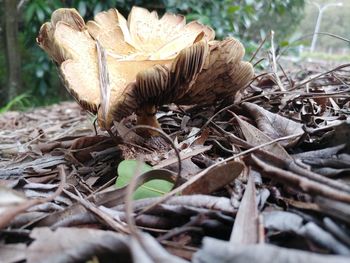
28,78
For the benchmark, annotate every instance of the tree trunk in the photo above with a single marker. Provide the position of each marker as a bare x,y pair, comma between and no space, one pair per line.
13,57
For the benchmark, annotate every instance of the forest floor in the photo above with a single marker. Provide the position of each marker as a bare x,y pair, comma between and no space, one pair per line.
266,179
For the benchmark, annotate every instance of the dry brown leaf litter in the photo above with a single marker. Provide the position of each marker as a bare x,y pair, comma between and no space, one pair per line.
293,143
309,184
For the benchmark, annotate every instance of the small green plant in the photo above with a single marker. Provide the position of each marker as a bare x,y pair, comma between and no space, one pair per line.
17,103
154,188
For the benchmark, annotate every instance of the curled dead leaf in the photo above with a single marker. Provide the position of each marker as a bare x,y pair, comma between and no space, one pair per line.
215,179
274,125
256,137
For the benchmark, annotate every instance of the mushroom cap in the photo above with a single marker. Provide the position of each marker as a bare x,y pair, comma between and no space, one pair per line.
115,66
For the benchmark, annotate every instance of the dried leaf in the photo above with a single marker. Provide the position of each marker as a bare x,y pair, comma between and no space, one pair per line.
256,137
82,147
198,149
246,227
307,185
11,204
81,244
215,179
282,221
324,239
12,252
220,251
274,125
328,161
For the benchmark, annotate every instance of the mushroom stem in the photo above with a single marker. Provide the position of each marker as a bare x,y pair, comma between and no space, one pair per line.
147,116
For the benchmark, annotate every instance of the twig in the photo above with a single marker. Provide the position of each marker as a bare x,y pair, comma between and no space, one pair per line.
320,75
258,62
300,182
285,75
202,173
189,226
274,63
310,94
258,49
106,218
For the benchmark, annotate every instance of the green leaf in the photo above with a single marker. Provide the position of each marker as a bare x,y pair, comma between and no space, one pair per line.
40,14
233,9
193,16
284,43
30,12
154,188
82,8
19,100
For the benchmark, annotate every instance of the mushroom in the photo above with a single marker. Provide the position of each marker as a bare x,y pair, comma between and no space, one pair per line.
114,67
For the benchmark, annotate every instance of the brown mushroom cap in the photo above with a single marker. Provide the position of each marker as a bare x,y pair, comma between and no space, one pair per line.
149,61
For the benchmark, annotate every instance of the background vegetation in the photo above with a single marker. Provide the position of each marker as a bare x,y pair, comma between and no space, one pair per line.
335,20
247,20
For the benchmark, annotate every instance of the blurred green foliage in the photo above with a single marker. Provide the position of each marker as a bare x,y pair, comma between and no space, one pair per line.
247,20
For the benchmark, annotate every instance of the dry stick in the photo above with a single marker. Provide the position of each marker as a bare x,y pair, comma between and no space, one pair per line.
306,185
292,165
222,147
9,214
138,146
189,226
232,138
258,49
202,173
258,62
311,94
318,178
109,220
285,75
274,64
102,187
320,75
256,77
326,96
339,79
300,171
184,156
211,119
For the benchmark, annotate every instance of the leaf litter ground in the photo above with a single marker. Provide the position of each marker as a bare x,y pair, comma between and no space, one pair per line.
266,178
